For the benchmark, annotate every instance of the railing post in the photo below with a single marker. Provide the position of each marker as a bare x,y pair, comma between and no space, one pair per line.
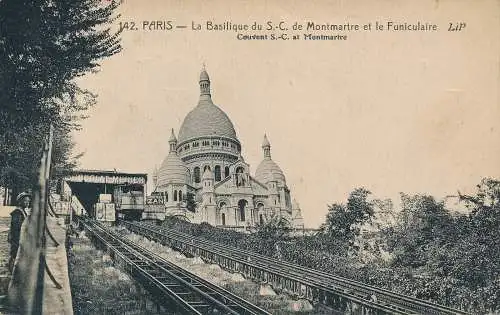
25,292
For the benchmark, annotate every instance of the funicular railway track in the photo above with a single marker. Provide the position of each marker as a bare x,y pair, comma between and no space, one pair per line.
170,285
329,286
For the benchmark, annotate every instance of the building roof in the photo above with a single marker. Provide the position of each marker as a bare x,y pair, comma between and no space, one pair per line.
204,75
206,119
172,136
104,173
173,170
268,171
265,142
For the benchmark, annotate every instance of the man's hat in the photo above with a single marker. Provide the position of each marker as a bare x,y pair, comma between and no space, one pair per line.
22,195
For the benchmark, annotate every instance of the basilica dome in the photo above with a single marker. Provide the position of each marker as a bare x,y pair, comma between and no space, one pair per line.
268,170
172,169
206,119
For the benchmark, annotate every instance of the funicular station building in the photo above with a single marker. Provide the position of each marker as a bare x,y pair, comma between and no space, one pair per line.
103,195
204,177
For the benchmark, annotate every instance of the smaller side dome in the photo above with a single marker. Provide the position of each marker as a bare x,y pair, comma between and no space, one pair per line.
173,170
268,171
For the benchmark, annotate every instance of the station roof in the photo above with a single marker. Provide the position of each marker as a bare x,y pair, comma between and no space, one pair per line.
105,176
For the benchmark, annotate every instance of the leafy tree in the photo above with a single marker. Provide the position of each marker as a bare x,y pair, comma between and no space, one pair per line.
271,236
276,228
422,223
372,242
343,222
453,260
44,46
476,255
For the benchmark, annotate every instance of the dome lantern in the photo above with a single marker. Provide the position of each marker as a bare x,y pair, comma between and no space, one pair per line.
266,146
172,141
204,83
206,119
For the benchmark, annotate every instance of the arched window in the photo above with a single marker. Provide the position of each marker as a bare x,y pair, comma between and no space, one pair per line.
206,167
166,196
226,171
223,219
197,174
260,207
180,195
241,205
175,195
217,173
239,169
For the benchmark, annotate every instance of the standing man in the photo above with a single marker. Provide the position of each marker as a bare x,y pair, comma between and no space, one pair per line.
17,217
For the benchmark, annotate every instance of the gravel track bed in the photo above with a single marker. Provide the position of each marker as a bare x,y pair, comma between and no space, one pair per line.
263,296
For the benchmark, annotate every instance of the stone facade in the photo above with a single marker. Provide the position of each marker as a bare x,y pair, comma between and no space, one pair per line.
205,178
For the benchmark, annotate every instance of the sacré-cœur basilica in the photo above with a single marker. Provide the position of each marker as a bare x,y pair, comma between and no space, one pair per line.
205,179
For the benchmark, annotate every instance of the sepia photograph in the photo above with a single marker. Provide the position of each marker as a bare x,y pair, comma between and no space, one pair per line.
249,157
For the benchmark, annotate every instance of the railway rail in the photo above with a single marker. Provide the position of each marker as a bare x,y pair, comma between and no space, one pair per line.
328,288
170,285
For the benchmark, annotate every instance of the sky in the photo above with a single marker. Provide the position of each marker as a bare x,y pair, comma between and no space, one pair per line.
391,111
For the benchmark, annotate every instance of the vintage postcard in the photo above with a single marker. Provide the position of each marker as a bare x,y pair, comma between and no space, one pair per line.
282,157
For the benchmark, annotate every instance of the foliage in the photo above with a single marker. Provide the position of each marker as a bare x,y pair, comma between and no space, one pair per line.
44,46
371,243
452,260
422,222
276,228
477,250
343,222
447,259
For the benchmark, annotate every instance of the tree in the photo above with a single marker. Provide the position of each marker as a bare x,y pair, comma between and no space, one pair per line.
372,242
453,259
276,228
476,255
44,46
271,236
343,222
422,226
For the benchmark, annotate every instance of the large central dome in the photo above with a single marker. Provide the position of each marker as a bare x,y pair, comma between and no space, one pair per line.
206,119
